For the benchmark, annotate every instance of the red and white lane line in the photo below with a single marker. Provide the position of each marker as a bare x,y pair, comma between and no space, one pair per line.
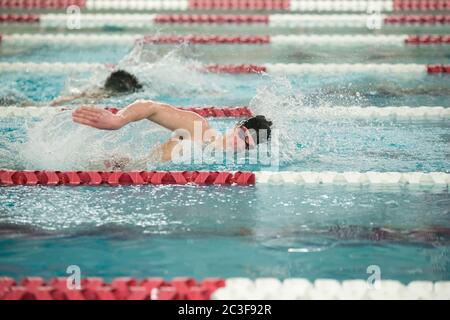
272,68
276,40
209,111
276,20
185,288
268,5
94,288
353,112
89,20
96,178
213,112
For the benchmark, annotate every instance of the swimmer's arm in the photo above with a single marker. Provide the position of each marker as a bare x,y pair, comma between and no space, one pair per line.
90,94
62,100
165,115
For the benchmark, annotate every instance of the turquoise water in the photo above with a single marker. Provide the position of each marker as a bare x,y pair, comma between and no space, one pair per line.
168,231
263,230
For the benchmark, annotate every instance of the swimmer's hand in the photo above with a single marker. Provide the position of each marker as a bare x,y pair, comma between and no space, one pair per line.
98,118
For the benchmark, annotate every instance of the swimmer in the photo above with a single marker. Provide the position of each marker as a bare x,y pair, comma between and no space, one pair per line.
187,127
118,83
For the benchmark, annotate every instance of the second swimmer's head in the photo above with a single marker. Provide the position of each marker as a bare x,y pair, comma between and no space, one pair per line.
121,81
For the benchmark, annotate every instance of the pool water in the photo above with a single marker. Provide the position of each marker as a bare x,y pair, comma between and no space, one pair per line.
168,231
254,231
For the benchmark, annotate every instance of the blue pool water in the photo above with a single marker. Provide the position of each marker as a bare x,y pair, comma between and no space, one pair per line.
312,232
262,230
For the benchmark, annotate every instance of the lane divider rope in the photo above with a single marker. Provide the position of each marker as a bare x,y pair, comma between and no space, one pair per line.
216,112
327,289
276,40
269,5
139,20
187,288
95,288
353,178
355,112
41,4
274,68
275,20
95,178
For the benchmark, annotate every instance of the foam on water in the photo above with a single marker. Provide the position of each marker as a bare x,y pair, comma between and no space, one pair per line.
280,94
56,143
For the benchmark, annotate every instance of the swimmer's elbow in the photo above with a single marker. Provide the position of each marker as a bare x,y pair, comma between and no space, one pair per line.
144,102
150,107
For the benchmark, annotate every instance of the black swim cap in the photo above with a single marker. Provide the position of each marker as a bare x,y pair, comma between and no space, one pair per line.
256,124
121,81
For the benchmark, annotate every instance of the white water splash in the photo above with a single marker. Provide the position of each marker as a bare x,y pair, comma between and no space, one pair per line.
283,103
161,74
56,143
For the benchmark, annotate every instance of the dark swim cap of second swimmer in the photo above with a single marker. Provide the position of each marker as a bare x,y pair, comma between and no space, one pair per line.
260,125
121,81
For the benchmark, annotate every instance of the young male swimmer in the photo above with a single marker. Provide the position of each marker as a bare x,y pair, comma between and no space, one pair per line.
187,127
119,82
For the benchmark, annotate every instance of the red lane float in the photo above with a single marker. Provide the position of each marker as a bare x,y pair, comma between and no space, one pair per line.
251,68
438,68
211,19
417,19
204,39
421,5
235,69
41,4
19,18
114,178
125,288
428,39
231,112
239,4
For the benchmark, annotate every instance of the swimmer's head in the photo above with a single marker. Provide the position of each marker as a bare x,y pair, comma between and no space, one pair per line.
251,132
121,81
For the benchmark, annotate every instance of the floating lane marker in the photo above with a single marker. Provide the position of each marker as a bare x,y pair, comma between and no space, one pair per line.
95,288
215,112
94,178
276,40
142,20
267,5
353,112
276,68
328,289
275,20
187,288
353,178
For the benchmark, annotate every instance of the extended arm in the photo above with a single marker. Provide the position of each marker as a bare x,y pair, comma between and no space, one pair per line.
165,115
65,99
97,93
